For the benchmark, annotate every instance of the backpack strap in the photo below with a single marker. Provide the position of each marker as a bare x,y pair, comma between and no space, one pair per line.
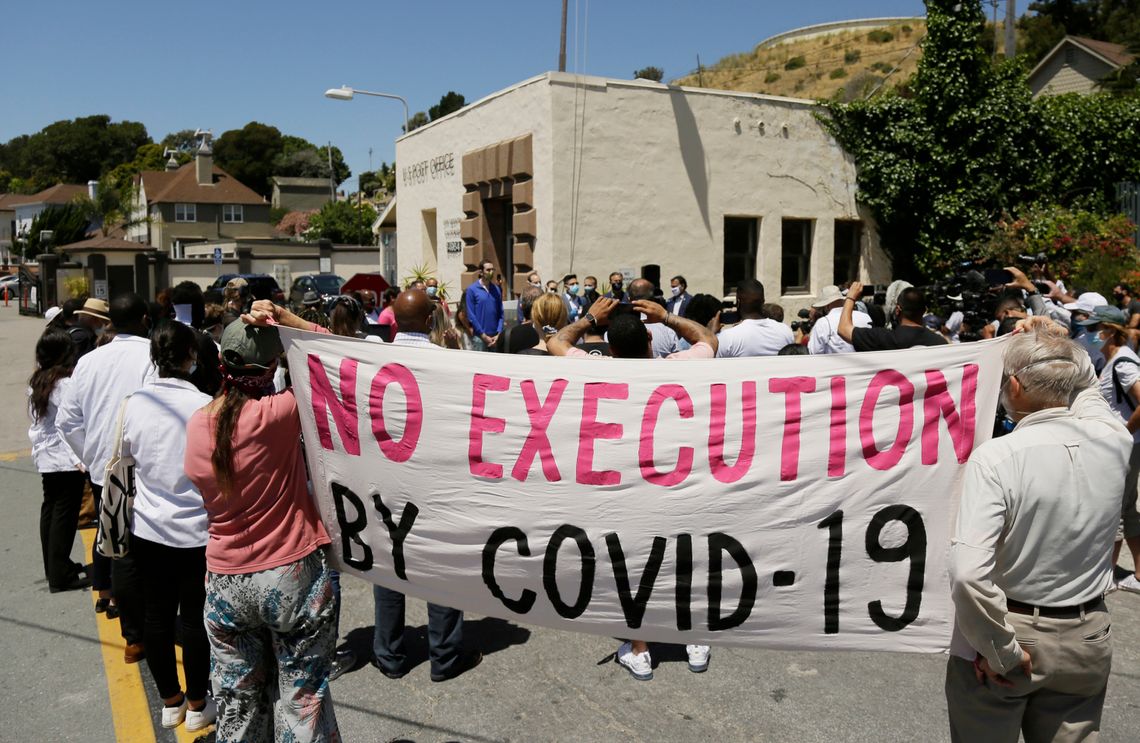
1122,394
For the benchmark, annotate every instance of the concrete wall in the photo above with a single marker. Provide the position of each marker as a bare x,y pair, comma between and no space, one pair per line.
628,174
1057,76
522,109
299,198
827,29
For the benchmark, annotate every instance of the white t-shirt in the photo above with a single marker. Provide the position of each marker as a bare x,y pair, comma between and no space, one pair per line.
1128,374
825,333
754,338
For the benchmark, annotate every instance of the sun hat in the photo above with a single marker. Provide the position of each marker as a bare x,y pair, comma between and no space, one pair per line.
311,298
51,313
1104,313
95,308
250,348
828,295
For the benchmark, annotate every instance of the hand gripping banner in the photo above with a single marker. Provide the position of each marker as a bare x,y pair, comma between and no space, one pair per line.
786,502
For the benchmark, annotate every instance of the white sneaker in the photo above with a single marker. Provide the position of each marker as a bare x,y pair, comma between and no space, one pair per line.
639,665
1129,584
698,657
202,718
172,717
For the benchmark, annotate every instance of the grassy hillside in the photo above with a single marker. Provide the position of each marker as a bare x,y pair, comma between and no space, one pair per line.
845,64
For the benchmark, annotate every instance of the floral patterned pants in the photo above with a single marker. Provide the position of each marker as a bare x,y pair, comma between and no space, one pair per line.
272,640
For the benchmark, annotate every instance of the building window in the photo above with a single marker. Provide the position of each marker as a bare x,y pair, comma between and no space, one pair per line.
795,274
185,212
232,213
741,238
848,249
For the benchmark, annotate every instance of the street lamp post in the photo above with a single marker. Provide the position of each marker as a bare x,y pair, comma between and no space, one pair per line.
345,93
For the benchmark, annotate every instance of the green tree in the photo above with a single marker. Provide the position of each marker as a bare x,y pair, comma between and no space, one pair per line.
68,223
449,102
300,158
649,73
419,118
183,140
113,205
383,178
72,151
342,222
248,154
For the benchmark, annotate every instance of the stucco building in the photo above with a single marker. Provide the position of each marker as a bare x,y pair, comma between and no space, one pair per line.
563,173
300,194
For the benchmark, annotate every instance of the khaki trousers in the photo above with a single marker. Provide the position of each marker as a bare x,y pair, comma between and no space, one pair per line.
1061,702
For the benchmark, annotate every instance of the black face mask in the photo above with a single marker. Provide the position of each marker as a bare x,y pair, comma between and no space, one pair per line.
617,286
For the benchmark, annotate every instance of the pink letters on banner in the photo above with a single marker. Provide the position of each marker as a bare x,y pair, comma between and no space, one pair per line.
719,409
684,466
343,409
592,429
884,460
937,403
537,442
792,388
402,450
481,384
837,451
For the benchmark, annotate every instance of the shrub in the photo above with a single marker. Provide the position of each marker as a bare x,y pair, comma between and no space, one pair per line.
838,73
795,63
880,36
881,67
77,287
907,30
1086,249
771,77
852,56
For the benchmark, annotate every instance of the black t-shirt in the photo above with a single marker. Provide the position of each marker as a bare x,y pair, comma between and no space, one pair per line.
904,336
596,348
1133,307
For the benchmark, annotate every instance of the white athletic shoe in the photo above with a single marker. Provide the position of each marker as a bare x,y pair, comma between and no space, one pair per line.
698,657
203,718
172,717
639,665
1129,584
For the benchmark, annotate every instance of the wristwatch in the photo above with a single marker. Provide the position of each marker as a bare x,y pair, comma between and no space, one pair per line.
593,320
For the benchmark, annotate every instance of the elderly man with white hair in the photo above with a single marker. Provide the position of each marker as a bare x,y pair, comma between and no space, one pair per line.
1030,556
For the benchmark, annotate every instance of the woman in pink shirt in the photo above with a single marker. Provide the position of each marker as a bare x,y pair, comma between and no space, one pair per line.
269,598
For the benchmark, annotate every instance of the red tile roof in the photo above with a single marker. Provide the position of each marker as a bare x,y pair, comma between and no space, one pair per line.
181,186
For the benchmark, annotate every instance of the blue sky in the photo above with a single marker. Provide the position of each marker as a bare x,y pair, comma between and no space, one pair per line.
218,65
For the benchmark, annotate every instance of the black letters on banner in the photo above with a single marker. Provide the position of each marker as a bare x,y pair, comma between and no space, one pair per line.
398,533
684,587
719,542
523,603
550,571
634,606
834,526
913,548
350,530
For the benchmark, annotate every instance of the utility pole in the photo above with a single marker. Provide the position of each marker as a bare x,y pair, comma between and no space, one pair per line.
562,43
332,177
1010,28
700,73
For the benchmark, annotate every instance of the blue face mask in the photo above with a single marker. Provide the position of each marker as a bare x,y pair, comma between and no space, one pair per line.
573,288
1095,340
432,290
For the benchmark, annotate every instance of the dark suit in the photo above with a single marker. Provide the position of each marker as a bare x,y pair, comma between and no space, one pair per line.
678,304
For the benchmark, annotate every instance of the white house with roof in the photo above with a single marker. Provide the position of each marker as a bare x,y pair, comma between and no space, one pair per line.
1077,65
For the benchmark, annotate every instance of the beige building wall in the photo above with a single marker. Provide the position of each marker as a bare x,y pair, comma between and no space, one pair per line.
630,173
164,230
1078,72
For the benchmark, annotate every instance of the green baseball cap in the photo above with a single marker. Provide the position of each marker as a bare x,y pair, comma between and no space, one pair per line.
1105,313
250,347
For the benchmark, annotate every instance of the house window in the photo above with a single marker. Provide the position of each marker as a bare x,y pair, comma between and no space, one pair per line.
185,212
795,274
848,249
741,238
232,213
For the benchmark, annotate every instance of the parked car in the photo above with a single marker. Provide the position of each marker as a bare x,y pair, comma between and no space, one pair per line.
11,285
327,285
261,286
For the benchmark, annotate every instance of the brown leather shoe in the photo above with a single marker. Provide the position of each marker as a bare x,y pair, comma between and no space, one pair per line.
134,652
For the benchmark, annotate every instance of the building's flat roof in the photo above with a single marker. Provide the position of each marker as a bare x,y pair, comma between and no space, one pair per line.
566,78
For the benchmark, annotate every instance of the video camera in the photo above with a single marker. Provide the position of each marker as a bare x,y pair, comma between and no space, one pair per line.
805,323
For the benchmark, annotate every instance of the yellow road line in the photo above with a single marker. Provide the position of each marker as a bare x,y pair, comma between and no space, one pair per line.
129,708
12,456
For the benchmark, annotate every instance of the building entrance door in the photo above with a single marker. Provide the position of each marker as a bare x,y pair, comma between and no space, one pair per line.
120,280
499,213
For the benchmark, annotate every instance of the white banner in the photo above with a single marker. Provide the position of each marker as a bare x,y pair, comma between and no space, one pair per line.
787,502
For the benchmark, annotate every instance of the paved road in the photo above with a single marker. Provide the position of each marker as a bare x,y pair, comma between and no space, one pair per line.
535,684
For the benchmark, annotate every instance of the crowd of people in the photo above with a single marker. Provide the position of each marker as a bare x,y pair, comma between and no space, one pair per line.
225,533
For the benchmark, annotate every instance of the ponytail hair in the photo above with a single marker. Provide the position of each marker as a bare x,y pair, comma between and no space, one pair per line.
171,346
55,359
225,423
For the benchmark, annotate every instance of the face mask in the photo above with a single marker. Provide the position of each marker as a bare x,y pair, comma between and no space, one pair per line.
676,290
617,286
193,368
488,274
1095,340
573,288
589,288
536,283
432,291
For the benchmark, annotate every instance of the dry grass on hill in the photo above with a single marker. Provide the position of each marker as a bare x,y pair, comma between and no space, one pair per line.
845,64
